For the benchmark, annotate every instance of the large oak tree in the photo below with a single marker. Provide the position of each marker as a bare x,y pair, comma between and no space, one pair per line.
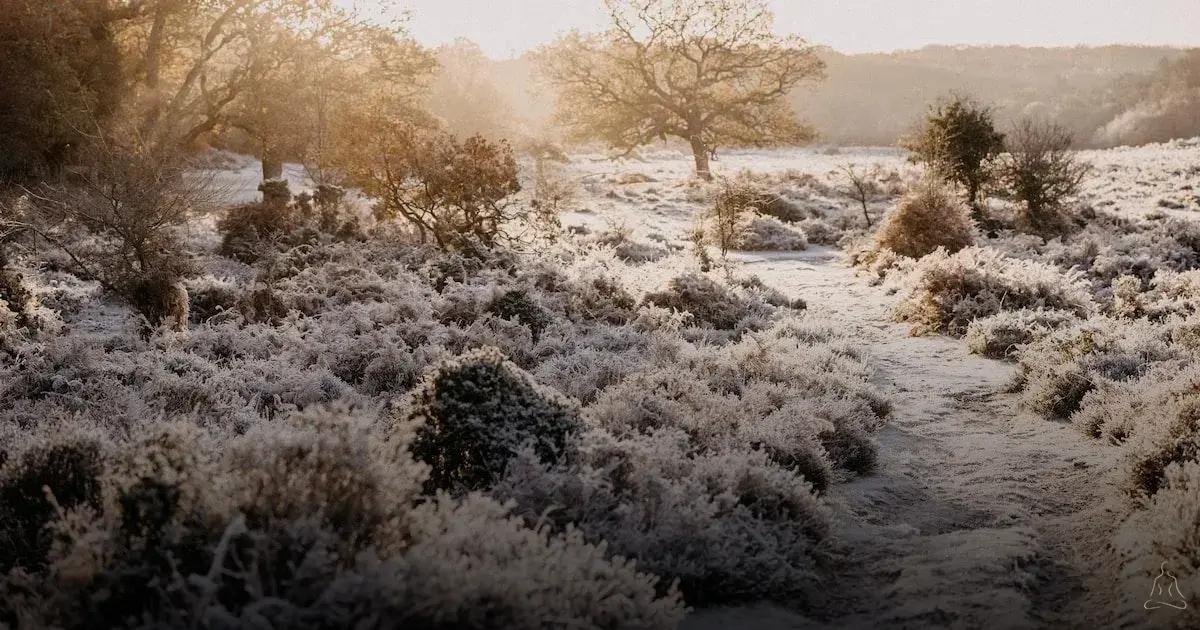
711,72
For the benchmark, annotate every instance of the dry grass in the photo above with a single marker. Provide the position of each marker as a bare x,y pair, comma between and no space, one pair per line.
927,218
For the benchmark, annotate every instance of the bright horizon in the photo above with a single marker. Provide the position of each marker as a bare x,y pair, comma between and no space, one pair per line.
508,28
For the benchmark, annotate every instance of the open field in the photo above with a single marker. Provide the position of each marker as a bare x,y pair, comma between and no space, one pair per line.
792,455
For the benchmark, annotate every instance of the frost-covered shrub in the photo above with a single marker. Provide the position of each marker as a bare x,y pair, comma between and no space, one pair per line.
776,206
1161,535
945,293
209,297
770,295
805,403
1127,299
1170,293
1109,246
757,232
1039,170
161,298
626,248
999,336
1168,433
926,219
459,192
820,231
50,475
244,227
517,305
727,525
329,468
599,297
312,522
17,303
1057,371
476,412
710,303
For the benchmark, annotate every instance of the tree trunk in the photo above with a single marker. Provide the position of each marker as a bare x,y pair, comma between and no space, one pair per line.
272,169
272,166
700,152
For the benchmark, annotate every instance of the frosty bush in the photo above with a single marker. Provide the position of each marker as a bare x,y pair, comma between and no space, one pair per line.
517,305
209,297
621,240
474,413
600,297
820,231
727,525
1001,335
118,224
17,302
709,303
311,522
50,475
1109,246
1168,433
925,219
1170,293
945,293
802,402
1058,371
1160,538
245,228
1040,171
757,232
161,298
755,286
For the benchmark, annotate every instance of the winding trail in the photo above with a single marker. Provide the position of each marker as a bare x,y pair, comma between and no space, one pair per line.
978,516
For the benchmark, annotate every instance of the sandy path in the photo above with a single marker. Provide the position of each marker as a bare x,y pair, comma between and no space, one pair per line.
977,516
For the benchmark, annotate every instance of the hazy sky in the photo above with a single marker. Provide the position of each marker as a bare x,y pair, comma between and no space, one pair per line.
507,27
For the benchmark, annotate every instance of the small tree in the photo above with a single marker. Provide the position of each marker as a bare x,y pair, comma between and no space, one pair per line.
862,186
116,220
711,73
1040,171
732,200
457,192
956,140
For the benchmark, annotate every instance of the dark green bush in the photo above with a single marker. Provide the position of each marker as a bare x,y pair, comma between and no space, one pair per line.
477,411
64,473
518,306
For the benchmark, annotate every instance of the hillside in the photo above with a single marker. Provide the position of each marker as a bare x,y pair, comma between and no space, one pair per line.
872,99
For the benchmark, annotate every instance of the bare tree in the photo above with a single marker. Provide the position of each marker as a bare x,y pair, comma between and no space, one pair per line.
862,186
200,66
116,218
1040,171
711,73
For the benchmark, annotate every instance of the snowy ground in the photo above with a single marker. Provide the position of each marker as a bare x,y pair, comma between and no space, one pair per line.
977,515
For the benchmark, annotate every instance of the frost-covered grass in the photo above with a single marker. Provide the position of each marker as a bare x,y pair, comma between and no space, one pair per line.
1001,335
945,293
757,232
590,433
